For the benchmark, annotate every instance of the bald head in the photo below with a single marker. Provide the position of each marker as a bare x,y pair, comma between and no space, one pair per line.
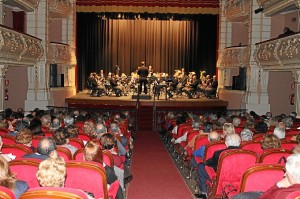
213,136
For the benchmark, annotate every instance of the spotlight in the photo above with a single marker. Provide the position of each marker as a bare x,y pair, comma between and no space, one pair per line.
258,10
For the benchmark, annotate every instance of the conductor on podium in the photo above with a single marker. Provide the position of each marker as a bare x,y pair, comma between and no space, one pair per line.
143,73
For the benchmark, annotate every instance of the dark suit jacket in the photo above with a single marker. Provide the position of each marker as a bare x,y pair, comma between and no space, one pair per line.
143,72
36,156
213,162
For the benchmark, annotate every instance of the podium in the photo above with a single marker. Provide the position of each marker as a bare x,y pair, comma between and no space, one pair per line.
142,96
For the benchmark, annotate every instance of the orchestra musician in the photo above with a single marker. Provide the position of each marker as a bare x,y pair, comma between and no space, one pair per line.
191,86
211,89
143,73
93,84
173,85
115,86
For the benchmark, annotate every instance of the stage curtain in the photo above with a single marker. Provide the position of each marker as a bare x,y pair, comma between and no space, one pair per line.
165,44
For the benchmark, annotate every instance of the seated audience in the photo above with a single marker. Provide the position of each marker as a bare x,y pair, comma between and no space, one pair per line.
69,120
72,130
246,135
279,132
232,141
9,181
89,128
270,141
228,128
93,152
290,181
61,138
213,136
45,147
25,137
7,157
52,172
260,127
36,127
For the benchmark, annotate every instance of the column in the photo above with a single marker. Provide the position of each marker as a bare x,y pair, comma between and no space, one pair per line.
296,75
225,34
3,70
257,98
38,94
69,37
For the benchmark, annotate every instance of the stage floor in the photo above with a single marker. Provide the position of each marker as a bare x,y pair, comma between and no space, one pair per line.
82,100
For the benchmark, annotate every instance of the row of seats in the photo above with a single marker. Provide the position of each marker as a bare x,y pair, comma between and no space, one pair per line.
78,176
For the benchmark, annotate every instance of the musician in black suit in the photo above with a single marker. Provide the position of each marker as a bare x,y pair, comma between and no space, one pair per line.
143,73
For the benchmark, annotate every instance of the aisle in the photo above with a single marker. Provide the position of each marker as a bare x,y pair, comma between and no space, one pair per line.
154,173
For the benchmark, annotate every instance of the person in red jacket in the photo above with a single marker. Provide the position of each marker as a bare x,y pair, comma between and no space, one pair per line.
290,181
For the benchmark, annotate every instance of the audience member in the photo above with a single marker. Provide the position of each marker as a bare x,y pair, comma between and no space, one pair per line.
72,129
52,172
290,181
246,135
261,127
232,141
25,137
279,132
93,152
7,157
270,141
8,180
45,147
61,138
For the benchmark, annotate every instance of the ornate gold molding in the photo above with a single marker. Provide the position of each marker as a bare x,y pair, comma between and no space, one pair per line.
19,49
61,54
234,57
279,54
272,7
60,8
26,5
237,10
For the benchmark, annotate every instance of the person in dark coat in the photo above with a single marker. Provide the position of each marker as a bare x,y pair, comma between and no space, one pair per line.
143,73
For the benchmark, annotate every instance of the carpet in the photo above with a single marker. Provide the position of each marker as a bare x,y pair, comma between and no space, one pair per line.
154,173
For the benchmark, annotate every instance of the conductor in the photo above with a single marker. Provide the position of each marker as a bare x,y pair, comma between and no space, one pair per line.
143,73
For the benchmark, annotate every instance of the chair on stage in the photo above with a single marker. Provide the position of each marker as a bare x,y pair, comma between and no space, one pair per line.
6,193
54,193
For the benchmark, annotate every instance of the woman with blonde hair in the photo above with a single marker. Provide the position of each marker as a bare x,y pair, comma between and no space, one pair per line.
8,180
228,128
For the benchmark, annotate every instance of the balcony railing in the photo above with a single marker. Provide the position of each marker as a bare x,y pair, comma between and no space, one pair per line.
60,8
26,5
60,54
279,54
233,57
19,49
237,10
272,7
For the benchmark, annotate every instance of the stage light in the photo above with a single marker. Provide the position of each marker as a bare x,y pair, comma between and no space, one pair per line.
258,10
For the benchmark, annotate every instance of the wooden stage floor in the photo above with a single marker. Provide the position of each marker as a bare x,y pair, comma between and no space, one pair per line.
83,100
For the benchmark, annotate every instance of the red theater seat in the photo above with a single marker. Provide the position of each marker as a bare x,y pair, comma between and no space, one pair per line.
54,193
6,193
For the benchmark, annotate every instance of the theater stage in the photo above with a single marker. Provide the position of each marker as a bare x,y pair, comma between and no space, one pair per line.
83,100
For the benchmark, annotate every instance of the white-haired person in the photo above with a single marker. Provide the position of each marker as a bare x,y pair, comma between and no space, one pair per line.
246,135
232,141
290,181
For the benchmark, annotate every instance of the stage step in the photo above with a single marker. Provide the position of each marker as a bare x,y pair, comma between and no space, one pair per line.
145,118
